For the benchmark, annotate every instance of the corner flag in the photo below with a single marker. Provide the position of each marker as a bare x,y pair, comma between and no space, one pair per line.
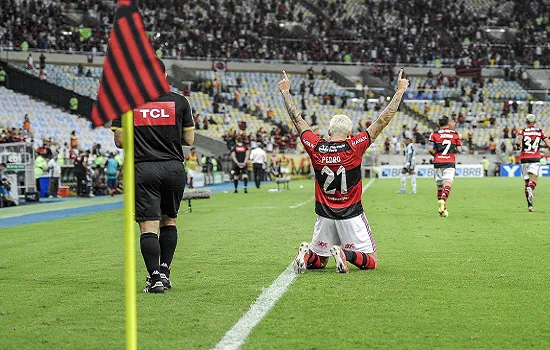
131,77
131,74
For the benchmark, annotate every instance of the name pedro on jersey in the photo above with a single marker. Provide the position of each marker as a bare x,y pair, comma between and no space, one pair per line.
330,160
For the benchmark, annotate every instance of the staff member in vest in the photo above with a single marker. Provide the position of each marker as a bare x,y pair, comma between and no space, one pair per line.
191,162
161,129
259,161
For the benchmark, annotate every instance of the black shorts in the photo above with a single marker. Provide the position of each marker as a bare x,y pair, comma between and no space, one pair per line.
239,171
159,189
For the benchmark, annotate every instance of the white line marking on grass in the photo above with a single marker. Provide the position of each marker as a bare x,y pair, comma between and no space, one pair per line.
236,336
367,185
302,204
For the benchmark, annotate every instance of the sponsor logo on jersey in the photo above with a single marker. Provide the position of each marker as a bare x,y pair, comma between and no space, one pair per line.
307,143
155,114
358,141
349,246
323,148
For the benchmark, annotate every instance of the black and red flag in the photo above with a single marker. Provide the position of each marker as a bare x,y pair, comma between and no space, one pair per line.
131,74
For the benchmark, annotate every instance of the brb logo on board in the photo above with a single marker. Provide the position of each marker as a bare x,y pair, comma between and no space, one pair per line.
155,114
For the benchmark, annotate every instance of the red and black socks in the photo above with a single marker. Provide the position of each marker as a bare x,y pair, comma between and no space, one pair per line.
361,260
446,193
314,261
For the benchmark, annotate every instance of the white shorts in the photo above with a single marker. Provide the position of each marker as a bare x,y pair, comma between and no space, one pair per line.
191,173
353,234
444,174
530,168
284,170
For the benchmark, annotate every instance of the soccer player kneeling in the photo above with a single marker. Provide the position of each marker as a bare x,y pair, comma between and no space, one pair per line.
342,229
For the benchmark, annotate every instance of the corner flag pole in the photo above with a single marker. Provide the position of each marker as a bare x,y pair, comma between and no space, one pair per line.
129,231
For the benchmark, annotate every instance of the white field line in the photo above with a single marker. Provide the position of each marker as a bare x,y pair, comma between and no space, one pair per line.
367,185
236,336
302,204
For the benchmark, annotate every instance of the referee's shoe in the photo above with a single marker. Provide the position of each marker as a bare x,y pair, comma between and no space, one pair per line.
164,279
154,286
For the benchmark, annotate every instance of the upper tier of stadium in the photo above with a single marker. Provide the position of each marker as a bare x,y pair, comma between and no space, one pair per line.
487,32
252,97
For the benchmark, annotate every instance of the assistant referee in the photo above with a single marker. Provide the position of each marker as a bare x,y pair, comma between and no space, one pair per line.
161,129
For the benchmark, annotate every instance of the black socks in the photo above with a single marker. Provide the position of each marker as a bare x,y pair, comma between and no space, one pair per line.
150,249
168,241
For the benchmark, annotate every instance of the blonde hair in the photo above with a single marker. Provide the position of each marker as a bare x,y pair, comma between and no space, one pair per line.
340,125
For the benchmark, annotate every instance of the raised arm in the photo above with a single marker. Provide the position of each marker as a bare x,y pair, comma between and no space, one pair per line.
295,115
389,112
518,141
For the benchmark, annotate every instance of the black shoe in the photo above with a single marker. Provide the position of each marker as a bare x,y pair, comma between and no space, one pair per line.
245,190
153,287
236,191
165,279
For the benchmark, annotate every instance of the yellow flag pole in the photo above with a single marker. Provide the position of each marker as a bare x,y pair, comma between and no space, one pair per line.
129,232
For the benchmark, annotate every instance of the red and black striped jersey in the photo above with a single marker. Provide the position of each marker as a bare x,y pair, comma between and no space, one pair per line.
531,137
337,165
445,143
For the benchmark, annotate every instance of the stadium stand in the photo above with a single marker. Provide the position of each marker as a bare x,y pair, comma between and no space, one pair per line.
261,90
48,122
251,99
261,29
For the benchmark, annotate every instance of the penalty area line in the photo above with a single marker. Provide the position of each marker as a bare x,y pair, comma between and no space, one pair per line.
237,335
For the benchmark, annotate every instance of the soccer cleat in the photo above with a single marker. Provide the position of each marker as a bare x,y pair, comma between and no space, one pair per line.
300,261
245,190
446,213
236,191
153,287
413,192
530,208
401,191
340,257
441,207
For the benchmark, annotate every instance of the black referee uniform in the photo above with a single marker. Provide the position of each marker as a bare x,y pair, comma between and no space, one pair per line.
160,179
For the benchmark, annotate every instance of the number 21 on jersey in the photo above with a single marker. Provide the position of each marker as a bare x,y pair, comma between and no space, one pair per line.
331,178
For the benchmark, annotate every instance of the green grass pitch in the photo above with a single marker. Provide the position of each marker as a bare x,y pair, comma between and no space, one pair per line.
478,279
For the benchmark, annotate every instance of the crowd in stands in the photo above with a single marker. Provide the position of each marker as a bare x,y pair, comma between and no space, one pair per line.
94,171
384,31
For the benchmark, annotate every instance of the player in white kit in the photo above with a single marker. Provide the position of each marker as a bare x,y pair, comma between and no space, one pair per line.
408,167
